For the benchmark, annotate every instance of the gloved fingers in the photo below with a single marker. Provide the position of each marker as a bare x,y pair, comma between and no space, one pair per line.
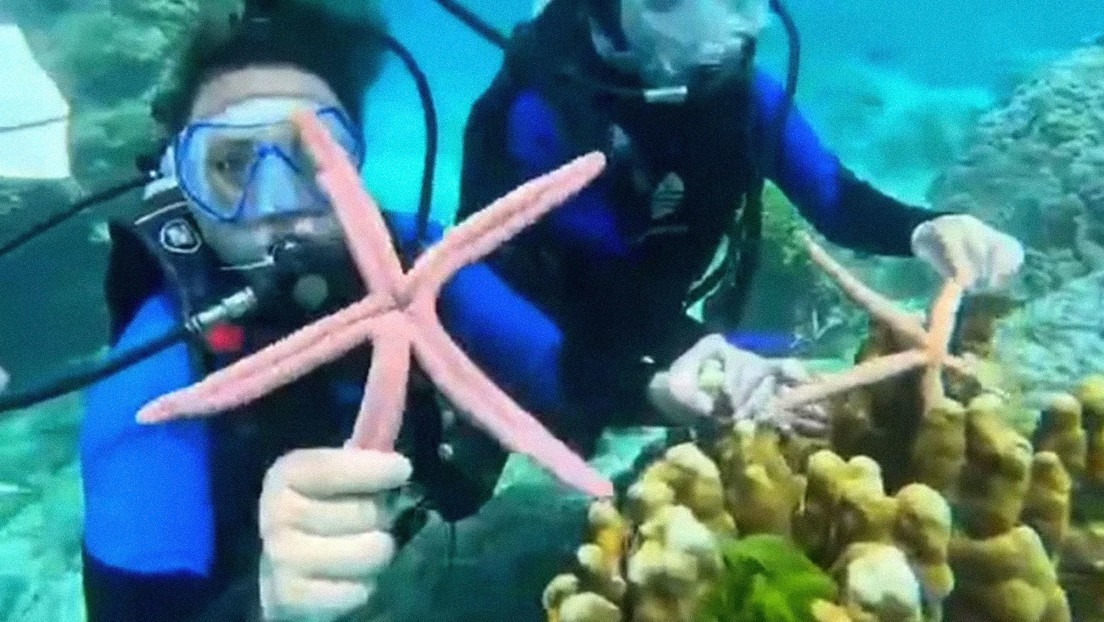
757,400
353,557
810,422
336,516
940,243
792,372
289,596
744,372
1006,258
325,472
684,389
689,363
960,255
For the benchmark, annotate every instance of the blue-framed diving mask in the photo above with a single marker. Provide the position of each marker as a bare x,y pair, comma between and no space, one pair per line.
249,162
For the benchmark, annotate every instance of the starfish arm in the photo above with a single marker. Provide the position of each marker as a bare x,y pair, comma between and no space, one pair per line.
486,230
883,309
942,321
866,373
479,399
380,416
275,366
366,235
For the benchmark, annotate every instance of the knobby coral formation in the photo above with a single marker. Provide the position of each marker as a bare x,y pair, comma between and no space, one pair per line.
951,514
1033,168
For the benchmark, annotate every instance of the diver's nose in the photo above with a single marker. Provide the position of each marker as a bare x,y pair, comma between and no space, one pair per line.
275,188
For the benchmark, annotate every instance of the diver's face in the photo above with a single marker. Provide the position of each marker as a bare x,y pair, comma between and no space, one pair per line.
249,179
673,40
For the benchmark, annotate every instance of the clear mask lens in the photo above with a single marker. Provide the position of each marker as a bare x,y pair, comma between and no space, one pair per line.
670,38
236,171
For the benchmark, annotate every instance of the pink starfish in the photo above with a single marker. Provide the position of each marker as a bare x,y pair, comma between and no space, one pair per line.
399,316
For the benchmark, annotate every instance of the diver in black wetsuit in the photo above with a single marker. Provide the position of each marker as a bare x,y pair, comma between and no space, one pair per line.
171,510
669,90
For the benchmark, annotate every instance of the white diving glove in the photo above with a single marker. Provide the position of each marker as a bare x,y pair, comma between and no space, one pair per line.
324,519
749,384
962,246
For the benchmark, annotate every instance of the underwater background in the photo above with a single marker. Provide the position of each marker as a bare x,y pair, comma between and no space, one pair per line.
996,109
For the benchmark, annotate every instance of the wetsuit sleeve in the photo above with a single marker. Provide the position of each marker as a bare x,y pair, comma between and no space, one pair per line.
149,524
537,144
845,209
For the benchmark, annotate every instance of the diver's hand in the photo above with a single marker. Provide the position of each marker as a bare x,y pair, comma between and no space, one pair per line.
324,520
812,420
963,247
716,379
745,380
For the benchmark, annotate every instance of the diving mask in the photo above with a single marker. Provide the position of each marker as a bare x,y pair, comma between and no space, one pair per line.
673,41
249,163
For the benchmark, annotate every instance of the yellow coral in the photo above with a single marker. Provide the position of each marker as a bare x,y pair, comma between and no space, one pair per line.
761,490
993,487
1064,433
673,558
558,590
844,503
1081,571
824,611
597,585
939,452
588,607
1091,396
1047,506
609,532
685,476
878,584
923,531
1007,577
673,567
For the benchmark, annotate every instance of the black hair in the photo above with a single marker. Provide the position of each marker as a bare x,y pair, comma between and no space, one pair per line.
345,53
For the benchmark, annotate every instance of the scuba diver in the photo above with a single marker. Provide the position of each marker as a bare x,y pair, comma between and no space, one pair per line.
235,222
669,90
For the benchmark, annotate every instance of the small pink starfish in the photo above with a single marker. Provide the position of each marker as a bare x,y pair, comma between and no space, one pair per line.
399,316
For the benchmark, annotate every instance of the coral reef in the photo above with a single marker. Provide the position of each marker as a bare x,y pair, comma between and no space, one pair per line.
1048,341
40,515
928,502
1033,167
656,563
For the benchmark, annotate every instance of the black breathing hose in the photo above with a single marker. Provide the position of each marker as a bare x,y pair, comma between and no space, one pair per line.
81,205
793,68
73,381
233,307
31,124
429,110
478,25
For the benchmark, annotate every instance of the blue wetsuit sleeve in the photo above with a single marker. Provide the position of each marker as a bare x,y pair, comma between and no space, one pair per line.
537,144
846,210
149,520
508,337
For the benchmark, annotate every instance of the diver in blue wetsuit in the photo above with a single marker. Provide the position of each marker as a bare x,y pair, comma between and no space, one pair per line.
173,524
668,89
